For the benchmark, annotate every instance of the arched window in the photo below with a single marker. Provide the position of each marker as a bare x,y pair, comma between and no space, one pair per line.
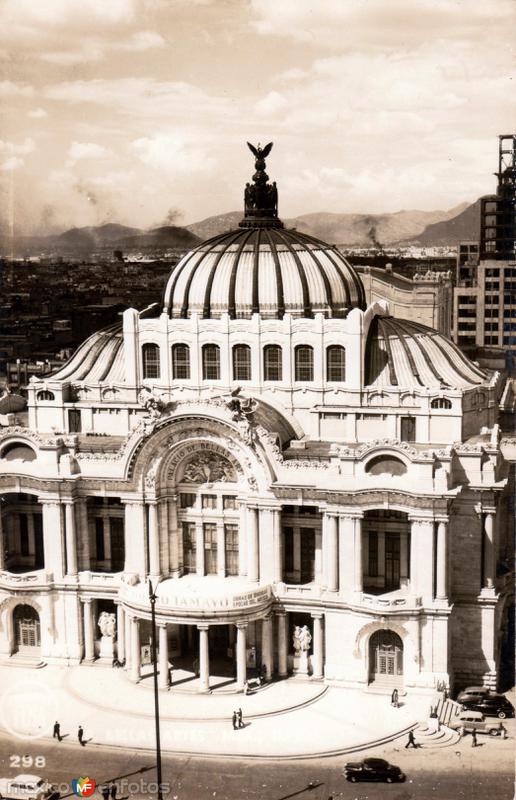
150,358
241,362
45,395
211,362
335,363
304,358
272,363
180,362
441,402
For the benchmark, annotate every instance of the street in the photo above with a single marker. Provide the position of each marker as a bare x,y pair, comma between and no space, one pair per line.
447,773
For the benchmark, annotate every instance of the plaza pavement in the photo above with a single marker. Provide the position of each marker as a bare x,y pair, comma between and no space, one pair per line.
287,719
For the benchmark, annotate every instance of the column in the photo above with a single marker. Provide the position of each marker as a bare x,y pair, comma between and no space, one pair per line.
242,540
278,545
163,677
175,557
346,545
135,650
2,543
106,526
199,548
489,552
241,655
127,638
134,538
282,645
404,559
252,544
204,659
317,647
221,550
358,575
30,533
154,567
267,646
89,645
422,558
53,538
84,535
331,557
120,632
71,540
442,558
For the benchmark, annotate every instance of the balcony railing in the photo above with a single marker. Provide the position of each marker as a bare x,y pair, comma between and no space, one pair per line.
25,580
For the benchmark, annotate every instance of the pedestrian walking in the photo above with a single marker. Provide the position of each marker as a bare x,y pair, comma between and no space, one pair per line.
113,791
80,736
234,720
394,699
411,740
105,792
57,731
240,720
505,735
474,742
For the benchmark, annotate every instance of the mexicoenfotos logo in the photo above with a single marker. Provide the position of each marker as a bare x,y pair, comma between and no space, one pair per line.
83,787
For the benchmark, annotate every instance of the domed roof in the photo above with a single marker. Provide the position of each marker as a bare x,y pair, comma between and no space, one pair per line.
410,355
271,271
99,358
263,268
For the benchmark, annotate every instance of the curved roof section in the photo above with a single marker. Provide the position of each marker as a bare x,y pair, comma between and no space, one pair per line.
267,270
98,358
409,355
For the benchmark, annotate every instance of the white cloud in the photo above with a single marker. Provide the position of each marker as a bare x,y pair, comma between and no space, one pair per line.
95,49
12,164
20,149
171,152
141,41
37,113
270,104
79,151
11,89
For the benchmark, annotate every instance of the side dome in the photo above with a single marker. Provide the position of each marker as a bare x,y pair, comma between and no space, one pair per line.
409,355
262,267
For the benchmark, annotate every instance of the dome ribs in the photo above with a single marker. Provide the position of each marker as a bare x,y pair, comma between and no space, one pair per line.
390,358
206,311
402,340
255,309
111,359
178,270
327,284
307,308
456,367
279,277
313,241
355,280
405,328
213,242
234,270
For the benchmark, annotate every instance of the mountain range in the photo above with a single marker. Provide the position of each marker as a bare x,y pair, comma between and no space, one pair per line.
423,228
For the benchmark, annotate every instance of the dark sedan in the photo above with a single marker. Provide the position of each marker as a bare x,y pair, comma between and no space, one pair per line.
492,705
373,769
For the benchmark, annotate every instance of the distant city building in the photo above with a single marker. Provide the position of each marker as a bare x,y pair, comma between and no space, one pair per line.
485,293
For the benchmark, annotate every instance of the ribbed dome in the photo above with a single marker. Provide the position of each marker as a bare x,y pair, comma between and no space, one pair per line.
266,270
409,355
99,358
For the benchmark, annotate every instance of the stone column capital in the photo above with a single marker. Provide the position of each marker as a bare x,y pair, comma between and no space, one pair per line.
317,614
203,627
241,625
351,515
86,600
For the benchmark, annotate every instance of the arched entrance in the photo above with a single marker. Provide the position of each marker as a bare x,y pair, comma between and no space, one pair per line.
385,658
27,635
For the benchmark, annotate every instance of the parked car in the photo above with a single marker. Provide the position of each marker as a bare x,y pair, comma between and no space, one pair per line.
493,705
472,693
373,769
469,721
26,787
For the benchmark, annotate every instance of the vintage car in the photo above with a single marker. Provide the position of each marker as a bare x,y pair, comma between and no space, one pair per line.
469,721
492,705
26,787
472,693
373,769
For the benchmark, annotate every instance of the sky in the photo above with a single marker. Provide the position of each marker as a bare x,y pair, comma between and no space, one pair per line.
138,111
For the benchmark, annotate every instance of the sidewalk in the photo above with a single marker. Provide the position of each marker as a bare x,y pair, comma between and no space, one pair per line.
287,719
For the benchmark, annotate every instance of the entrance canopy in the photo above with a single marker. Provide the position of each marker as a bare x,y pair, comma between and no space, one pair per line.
201,598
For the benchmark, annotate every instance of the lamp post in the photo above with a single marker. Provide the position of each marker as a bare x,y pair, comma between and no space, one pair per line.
152,599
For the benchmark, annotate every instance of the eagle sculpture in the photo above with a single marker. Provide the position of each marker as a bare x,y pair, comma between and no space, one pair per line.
258,152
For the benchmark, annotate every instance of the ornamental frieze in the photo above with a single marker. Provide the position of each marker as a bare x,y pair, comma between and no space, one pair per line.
362,497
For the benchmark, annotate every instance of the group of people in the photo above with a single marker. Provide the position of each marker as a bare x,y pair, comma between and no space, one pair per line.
59,736
109,791
237,720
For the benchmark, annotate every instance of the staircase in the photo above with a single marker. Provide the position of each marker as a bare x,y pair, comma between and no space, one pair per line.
432,739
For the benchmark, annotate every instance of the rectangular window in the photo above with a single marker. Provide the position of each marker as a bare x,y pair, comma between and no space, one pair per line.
304,363
186,500
372,569
231,542
211,362
408,429
229,502
241,362
272,363
181,362
99,538
210,548
209,501
288,538
116,533
189,547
